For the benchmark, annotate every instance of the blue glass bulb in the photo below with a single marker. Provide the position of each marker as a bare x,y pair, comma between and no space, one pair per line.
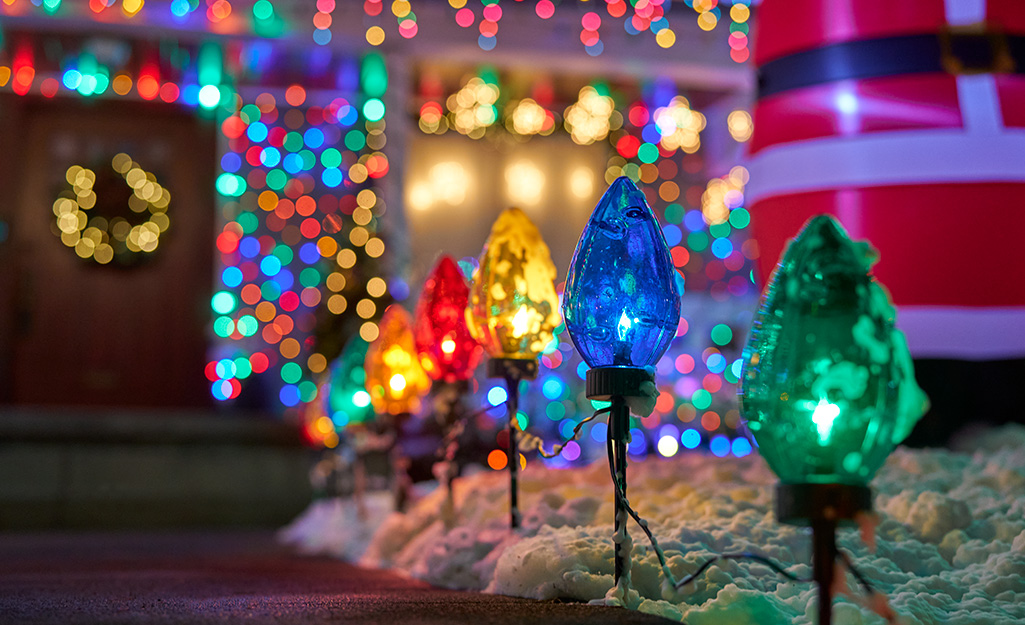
622,303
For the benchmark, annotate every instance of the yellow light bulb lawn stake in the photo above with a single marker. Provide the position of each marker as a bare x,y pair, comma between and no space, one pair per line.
513,312
396,383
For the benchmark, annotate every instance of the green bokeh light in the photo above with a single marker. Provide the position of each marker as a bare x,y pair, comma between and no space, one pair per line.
697,241
224,326
740,218
223,302
355,140
373,110
701,399
291,372
331,158
247,325
721,334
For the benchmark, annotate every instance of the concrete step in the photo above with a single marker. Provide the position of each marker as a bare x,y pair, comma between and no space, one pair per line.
75,468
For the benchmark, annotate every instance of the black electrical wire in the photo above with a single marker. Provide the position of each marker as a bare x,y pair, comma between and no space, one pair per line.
701,569
846,559
576,434
456,429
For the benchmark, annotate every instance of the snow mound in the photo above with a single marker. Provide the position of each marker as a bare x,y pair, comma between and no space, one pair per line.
950,542
333,527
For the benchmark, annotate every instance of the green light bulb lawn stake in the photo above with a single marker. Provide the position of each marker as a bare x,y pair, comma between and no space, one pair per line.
828,386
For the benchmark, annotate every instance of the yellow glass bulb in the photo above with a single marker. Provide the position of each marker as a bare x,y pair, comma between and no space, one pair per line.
513,309
395,380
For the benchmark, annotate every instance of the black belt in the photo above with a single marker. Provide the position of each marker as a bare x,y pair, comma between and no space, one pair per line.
955,50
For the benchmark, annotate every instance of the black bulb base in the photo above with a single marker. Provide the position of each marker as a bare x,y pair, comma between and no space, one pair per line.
808,504
512,368
460,387
604,383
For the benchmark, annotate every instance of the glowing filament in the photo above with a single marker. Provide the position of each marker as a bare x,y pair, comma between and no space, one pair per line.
521,322
824,415
623,328
397,382
448,346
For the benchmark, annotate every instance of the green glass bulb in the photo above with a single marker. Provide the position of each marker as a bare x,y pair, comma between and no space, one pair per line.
828,386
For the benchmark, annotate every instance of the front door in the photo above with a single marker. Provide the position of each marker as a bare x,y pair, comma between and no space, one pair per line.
121,326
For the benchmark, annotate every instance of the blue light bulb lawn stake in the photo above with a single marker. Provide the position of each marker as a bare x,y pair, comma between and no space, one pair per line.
621,308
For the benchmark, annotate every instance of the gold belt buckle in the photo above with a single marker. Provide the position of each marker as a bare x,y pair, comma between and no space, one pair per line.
954,37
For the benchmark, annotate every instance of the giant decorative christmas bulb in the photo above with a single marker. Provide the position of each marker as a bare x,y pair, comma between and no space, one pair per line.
513,310
448,352
395,380
828,387
348,402
622,300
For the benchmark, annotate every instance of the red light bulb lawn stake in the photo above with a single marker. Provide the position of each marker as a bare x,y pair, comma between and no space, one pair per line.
513,312
622,309
449,354
827,388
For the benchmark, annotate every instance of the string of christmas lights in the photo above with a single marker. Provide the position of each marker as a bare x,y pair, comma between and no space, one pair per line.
300,244
264,19
654,139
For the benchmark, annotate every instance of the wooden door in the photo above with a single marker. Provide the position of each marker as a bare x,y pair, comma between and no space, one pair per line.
114,334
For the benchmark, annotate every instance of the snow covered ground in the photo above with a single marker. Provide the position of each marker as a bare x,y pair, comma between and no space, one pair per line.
950,543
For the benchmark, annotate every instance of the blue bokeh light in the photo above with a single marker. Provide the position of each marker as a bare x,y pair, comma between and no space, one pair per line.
720,445
257,132
270,266
497,395
249,247
289,395
741,447
716,363
690,438
309,253
694,220
638,442
673,234
552,387
231,276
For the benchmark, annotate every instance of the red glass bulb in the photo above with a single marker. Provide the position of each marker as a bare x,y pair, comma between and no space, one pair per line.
447,350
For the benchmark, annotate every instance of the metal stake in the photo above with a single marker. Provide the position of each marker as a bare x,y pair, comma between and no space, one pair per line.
513,386
619,428
823,537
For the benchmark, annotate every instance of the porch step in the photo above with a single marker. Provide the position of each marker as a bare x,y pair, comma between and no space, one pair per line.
76,468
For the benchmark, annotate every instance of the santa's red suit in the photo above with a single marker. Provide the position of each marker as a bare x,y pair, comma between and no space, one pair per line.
906,121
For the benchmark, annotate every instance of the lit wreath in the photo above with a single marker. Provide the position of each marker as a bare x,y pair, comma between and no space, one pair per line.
103,233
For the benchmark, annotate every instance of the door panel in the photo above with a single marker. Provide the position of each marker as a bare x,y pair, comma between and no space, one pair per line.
91,334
